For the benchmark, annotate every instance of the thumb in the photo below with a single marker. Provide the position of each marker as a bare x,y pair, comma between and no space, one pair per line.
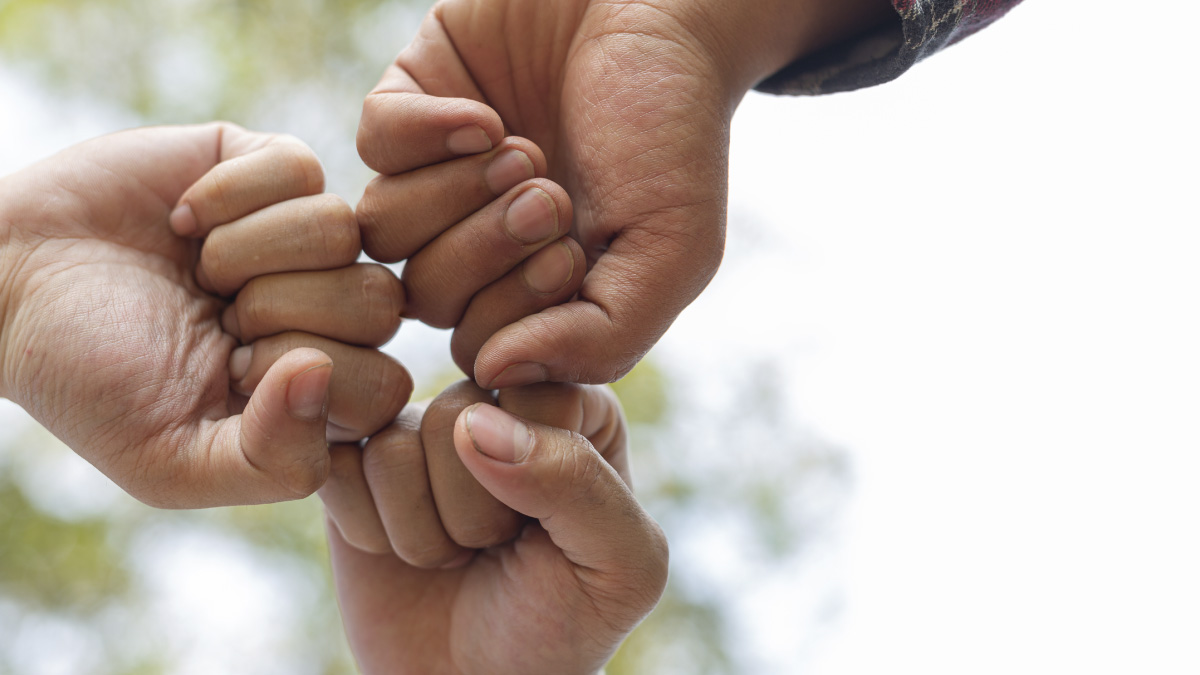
276,449
629,298
557,476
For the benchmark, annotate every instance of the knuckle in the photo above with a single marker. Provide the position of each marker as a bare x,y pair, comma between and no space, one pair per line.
214,259
433,315
302,164
277,345
383,298
253,309
646,581
570,459
393,385
344,462
555,404
422,554
368,136
221,186
394,451
490,528
454,399
391,288
371,229
304,473
339,229
435,297
436,319
659,555
367,540
585,471
464,348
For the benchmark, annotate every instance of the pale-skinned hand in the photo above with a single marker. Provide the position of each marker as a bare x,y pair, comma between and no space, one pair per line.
111,343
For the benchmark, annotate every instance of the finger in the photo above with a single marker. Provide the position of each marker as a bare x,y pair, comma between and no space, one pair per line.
313,233
394,464
592,411
400,214
442,278
407,122
274,451
368,389
556,476
402,128
547,278
628,299
254,170
360,304
472,517
348,501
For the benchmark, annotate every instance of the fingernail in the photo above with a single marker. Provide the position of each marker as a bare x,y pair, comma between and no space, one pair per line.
306,393
239,362
229,321
460,561
519,374
507,170
468,140
183,220
497,434
531,217
549,269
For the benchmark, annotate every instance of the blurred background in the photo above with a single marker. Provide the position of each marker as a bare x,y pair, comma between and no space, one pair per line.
938,410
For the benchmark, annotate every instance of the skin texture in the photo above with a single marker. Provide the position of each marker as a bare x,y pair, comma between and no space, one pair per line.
630,102
111,343
587,566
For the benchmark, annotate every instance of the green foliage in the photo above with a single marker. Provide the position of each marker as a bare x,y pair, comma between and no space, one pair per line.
137,54
84,570
52,563
643,394
681,635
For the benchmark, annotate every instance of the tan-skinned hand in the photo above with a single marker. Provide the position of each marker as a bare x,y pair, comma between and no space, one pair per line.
630,102
587,566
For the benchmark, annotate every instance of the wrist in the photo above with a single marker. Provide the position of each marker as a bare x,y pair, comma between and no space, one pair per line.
8,272
750,41
12,259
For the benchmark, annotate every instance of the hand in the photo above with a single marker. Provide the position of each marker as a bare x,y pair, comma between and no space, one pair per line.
109,341
418,500
631,103
484,237
558,599
288,252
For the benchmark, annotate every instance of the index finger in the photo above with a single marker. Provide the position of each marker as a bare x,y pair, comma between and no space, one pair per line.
470,514
404,128
589,410
253,171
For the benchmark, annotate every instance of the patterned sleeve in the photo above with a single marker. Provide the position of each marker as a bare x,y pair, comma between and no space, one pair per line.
925,26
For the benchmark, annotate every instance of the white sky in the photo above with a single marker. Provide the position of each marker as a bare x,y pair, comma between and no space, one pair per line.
983,280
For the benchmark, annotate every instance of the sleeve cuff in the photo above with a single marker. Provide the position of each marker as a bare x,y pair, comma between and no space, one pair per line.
924,28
